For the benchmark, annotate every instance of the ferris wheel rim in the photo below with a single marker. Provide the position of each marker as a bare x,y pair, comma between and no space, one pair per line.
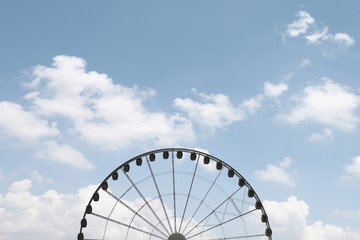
234,172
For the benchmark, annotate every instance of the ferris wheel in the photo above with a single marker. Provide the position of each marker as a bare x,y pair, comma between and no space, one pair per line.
174,194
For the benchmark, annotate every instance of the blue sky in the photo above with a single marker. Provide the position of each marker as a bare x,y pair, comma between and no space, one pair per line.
271,87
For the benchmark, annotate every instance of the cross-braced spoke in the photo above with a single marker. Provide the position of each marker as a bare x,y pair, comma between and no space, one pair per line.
159,194
174,187
240,237
212,212
220,224
136,213
128,226
189,194
146,202
202,201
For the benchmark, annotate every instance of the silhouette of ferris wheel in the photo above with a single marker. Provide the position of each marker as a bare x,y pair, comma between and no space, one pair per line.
174,194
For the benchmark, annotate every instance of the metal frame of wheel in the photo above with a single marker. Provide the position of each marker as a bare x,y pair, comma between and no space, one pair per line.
194,197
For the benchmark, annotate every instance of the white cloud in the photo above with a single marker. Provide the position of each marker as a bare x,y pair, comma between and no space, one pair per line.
287,217
300,25
290,218
347,213
321,231
287,77
354,167
251,105
343,38
27,216
318,36
212,111
68,90
339,38
65,154
101,112
274,90
305,62
286,162
28,126
24,125
277,174
325,135
38,178
271,90
304,26
327,103
88,106
20,186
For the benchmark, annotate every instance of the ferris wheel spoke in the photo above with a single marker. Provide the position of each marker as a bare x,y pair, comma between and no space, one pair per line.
202,200
213,211
146,202
136,213
174,187
225,211
242,210
222,223
128,226
189,193
159,194
240,237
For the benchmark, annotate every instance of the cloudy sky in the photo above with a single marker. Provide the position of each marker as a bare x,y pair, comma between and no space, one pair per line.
270,87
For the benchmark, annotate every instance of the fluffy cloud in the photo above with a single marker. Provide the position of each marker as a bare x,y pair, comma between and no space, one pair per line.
65,154
271,90
327,103
290,218
304,26
287,217
318,36
102,113
68,102
321,36
217,111
354,167
24,125
27,216
28,126
274,90
305,62
347,213
300,25
325,135
343,38
212,111
251,105
37,177
322,231
277,174
90,106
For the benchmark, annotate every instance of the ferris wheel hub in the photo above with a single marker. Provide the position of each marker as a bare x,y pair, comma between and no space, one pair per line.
176,236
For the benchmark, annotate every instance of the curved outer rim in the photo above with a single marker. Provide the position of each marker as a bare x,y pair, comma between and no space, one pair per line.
188,150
